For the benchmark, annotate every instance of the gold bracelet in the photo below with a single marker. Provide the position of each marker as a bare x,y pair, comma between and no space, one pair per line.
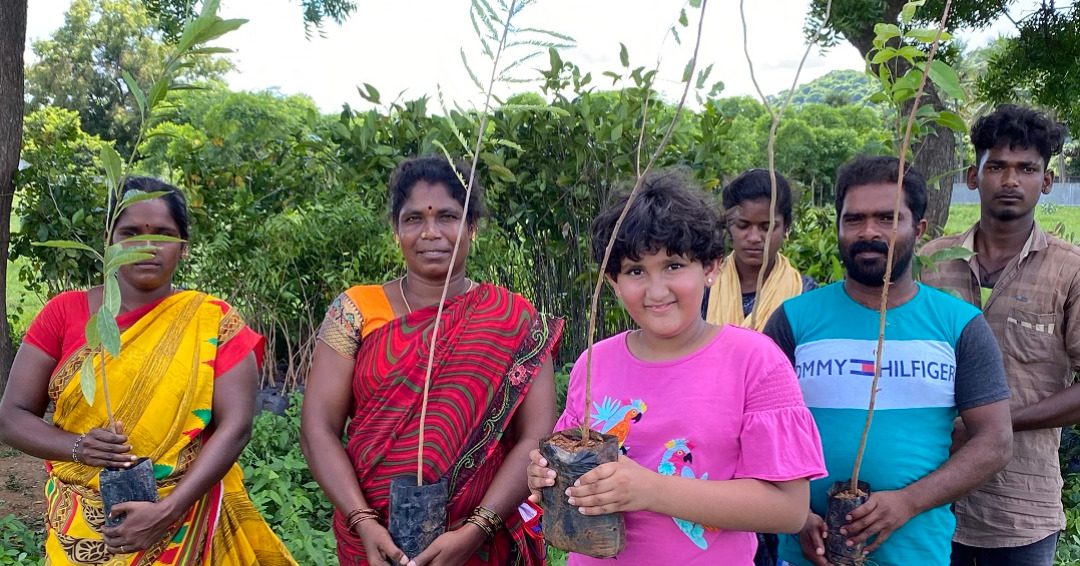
488,529
491,516
357,516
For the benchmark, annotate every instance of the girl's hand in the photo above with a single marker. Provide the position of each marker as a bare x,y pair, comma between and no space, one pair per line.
378,546
614,487
451,548
101,448
812,540
145,524
540,476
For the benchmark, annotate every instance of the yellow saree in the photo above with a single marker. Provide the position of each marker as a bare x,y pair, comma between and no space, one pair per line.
162,389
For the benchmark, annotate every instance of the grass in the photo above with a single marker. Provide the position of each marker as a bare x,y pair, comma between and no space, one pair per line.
1063,221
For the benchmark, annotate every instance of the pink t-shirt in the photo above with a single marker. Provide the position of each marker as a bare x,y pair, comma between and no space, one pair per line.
730,410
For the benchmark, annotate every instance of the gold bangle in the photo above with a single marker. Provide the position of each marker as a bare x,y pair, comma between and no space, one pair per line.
357,516
483,525
491,516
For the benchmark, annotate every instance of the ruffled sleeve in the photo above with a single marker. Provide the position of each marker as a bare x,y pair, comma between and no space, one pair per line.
779,440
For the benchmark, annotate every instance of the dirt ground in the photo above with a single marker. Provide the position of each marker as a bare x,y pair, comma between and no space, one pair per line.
22,481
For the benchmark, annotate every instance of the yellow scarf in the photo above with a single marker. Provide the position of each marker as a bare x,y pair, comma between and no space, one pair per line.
725,298
162,388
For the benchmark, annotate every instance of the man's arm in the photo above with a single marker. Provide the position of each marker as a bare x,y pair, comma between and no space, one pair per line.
1061,408
982,398
779,329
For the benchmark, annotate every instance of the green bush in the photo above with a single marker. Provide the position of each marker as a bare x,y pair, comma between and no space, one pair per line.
20,543
1068,549
283,490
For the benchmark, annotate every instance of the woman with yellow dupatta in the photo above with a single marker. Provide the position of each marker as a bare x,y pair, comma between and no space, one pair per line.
183,391
492,389
733,297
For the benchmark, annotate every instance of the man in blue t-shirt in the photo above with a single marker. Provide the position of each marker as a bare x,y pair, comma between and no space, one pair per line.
939,360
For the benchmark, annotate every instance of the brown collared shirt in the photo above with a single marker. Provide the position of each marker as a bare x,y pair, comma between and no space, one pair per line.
1034,311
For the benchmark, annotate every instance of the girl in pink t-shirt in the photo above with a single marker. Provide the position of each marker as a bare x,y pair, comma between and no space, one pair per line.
717,441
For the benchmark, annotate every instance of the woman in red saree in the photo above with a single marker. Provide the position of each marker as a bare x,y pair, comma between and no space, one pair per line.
491,399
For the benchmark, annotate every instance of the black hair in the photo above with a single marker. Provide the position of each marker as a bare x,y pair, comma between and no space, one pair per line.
871,170
173,198
755,184
1020,127
670,213
435,170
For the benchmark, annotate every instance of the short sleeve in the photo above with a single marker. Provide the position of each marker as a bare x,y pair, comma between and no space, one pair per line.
342,326
779,440
46,331
235,341
1072,323
779,329
980,373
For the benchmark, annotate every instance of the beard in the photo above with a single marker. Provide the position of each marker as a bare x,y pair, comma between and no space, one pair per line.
872,273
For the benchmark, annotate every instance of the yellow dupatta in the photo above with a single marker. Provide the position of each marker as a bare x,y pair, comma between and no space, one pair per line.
725,297
162,390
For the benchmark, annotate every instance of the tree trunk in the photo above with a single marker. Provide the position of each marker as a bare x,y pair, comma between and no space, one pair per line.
12,43
935,158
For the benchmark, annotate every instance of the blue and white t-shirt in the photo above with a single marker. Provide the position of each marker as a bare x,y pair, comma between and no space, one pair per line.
939,358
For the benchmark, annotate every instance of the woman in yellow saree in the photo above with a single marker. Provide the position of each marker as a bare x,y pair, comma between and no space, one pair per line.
183,394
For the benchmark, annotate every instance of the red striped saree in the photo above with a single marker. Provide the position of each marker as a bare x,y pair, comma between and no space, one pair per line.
491,345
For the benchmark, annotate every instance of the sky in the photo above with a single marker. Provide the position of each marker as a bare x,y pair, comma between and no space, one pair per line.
413,47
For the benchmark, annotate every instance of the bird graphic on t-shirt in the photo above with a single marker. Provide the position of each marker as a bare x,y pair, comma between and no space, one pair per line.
676,461
614,418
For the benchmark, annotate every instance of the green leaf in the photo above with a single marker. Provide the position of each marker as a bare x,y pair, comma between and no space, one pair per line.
131,197
67,245
111,299
683,21
703,76
885,32
86,380
951,120
907,13
688,70
110,159
110,334
946,79
93,338
140,97
128,256
882,55
624,56
695,3
927,35
370,93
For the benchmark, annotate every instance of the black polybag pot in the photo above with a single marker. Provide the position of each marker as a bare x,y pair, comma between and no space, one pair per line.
417,514
120,485
600,536
836,549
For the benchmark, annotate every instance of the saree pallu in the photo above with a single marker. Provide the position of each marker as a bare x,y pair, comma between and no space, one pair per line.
491,344
162,391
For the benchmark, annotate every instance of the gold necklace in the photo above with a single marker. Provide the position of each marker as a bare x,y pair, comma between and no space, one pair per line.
401,288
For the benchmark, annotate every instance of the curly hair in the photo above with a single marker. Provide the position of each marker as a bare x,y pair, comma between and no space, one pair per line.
435,170
670,213
1019,127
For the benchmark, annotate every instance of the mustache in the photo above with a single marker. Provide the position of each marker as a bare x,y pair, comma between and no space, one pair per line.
872,246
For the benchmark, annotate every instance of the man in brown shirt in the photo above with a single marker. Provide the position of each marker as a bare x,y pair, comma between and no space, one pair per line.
1028,284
